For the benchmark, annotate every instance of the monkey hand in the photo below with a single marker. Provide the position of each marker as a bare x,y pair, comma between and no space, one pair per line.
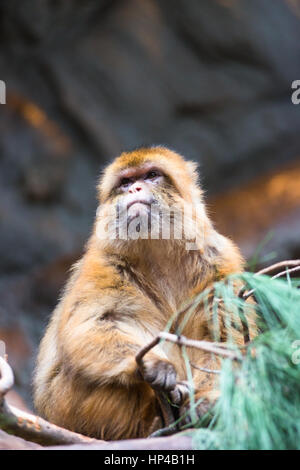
180,394
159,374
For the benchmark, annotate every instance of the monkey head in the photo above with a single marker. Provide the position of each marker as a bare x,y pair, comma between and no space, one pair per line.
149,193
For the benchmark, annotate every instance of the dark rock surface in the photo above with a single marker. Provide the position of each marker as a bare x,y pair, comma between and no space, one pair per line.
86,80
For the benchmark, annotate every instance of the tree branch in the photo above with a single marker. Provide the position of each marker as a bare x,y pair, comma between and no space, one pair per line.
29,426
273,267
245,295
192,343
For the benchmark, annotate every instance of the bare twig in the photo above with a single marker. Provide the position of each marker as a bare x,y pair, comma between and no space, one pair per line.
203,345
245,295
273,267
287,271
204,369
29,426
183,341
145,349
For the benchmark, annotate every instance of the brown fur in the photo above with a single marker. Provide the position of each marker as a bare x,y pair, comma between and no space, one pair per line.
119,297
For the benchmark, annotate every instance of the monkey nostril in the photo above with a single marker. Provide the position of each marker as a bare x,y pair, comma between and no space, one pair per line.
134,189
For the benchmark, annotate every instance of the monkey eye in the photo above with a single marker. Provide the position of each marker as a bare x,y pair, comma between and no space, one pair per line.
124,181
152,174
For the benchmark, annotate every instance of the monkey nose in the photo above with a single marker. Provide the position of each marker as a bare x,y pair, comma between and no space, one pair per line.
135,189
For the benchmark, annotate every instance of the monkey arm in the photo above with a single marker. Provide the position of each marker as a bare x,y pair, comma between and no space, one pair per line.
96,349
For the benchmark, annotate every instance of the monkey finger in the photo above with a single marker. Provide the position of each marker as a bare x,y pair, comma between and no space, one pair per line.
165,380
180,393
170,379
161,375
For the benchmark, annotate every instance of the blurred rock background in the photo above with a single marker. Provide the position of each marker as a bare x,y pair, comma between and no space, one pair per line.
86,80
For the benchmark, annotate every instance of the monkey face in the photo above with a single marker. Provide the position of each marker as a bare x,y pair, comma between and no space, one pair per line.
140,201
149,193
137,187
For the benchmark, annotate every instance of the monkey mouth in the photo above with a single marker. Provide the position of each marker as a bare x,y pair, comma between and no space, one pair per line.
139,201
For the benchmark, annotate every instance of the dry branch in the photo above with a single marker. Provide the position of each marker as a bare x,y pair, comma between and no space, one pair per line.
287,271
207,346
29,426
245,295
273,267
204,369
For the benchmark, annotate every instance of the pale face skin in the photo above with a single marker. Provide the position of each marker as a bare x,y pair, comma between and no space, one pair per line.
136,186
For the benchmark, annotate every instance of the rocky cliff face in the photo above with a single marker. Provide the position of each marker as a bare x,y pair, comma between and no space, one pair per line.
86,80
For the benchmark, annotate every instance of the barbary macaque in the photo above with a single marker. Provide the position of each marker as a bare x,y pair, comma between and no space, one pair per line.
136,273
